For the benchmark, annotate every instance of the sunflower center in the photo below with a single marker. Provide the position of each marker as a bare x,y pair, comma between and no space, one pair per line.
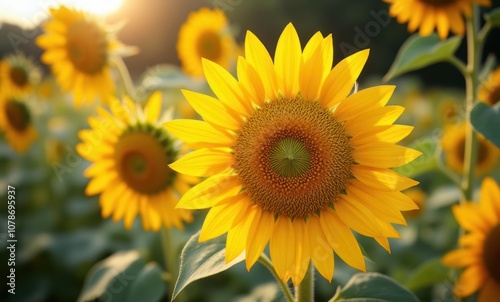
293,157
494,95
141,159
18,115
482,151
438,2
209,45
492,252
18,76
86,47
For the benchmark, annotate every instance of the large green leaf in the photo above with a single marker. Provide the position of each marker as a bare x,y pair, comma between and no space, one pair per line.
418,52
425,162
493,17
486,120
200,260
428,273
149,285
373,287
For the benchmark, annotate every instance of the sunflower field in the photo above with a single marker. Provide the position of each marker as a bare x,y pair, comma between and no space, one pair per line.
237,150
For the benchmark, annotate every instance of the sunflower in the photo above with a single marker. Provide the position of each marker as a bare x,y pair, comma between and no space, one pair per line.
480,247
129,151
205,34
429,14
490,91
18,75
17,124
78,48
292,159
418,196
453,144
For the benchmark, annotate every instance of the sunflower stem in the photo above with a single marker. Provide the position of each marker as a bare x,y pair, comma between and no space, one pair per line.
170,262
126,79
264,260
305,291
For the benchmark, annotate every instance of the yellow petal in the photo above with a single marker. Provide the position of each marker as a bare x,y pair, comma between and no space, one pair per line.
380,116
386,133
226,88
210,191
287,61
100,183
354,214
258,236
198,134
281,247
341,239
312,45
340,81
237,236
490,197
98,168
221,217
312,72
204,162
384,155
302,250
321,252
469,217
257,55
382,179
363,101
212,110
470,281
153,107
251,82
460,258
383,242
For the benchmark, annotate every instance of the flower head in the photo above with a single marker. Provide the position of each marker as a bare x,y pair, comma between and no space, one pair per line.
480,246
292,160
79,50
130,152
445,15
490,91
205,34
17,123
18,75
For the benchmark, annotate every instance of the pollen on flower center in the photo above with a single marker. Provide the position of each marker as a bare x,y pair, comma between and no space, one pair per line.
86,47
293,157
18,115
18,76
492,252
141,159
210,45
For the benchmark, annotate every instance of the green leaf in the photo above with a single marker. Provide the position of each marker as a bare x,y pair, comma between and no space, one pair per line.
162,77
427,274
200,260
264,292
486,120
111,279
148,286
425,162
418,52
493,17
373,287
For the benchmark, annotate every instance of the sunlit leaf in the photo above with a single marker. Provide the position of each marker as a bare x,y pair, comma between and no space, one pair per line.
148,286
493,17
373,287
418,52
427,274
486,120
200,260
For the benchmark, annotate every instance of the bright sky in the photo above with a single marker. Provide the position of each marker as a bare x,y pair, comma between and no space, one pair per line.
29,13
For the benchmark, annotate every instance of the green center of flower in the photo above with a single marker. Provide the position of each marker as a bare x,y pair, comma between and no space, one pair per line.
18,76
293,157
289,157
491,253
141,156
18,115
86,47
210,45
438,3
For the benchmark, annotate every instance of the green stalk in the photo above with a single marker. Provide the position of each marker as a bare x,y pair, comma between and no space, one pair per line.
125,78
286,290
305,291
170,259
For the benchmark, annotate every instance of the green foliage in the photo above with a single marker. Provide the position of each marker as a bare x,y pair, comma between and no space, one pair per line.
200,260
493,18
372,287
123,276
418,52
427,274
486,120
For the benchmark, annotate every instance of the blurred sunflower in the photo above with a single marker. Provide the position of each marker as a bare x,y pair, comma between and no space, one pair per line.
130,151
418,196
79,50
490,91
18,75
453,144
445,15
292,159
17,124
480,247
205,34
